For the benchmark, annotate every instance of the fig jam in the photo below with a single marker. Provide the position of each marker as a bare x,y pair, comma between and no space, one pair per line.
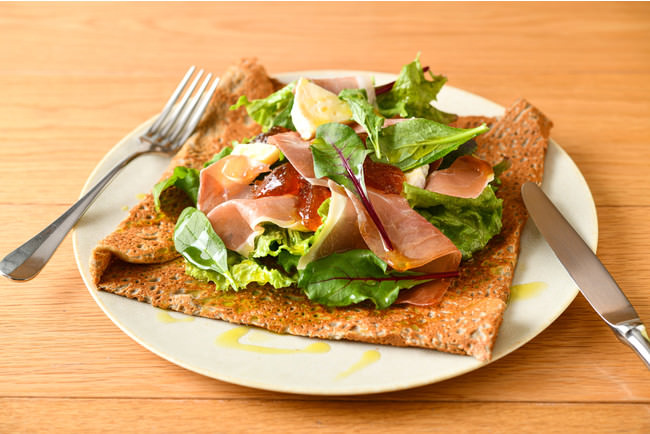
383,177
285,179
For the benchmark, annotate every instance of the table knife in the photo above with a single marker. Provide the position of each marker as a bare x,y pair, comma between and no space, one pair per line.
591,276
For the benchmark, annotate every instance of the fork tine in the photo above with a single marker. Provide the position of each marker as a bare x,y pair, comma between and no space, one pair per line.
179,109
197,115
171,102
182,118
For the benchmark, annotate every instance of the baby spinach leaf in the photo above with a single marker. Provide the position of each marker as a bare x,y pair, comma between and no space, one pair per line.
411,95
200,245
468,223
351,277
364,114
184,178
416,142
339,155
274,110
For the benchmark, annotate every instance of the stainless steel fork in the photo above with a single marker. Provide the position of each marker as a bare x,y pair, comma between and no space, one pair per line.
171,129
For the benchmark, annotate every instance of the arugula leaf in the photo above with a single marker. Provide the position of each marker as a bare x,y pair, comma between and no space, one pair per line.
244,272
185,178
468,223
411,95
351,277
364,114
416,142
274,110
200,245
218,156
339,155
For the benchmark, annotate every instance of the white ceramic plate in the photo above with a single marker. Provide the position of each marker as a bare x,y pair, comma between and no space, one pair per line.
260,359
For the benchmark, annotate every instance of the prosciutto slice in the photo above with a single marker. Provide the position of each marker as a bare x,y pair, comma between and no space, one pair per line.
417,244
238,221
298,153
466,177
226,179
425,294
336,85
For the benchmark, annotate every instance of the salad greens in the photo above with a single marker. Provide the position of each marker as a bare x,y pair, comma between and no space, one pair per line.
411,95
284,257
364,114
199,244
339,154
272,111
351,277
243,273
184,178
416,142
468,223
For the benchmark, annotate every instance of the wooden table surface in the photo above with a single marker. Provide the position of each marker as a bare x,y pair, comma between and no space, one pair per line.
75,78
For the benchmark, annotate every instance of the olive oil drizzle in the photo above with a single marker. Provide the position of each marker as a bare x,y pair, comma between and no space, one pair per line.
230,339
164,316
368,358
527,290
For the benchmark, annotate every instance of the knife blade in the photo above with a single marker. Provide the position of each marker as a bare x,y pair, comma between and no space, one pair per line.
594,281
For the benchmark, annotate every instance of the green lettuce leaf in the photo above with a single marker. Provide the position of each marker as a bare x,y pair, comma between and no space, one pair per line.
351,277
411,95
184,178
200,245
416,142
275,239
468,223
364,114
245,272
274,110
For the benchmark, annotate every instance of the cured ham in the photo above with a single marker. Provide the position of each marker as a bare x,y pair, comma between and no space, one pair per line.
336,85
297,151
238,221
416,242
226,179
425,294
466,177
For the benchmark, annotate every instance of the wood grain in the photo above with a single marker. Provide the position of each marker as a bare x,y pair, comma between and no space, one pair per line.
76,77
327,416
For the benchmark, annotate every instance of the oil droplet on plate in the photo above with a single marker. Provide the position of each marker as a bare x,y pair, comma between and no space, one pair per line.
368,358
125,207
141,196
164,316
230,339
526,290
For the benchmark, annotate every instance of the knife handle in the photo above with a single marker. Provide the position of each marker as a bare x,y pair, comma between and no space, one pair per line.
631,334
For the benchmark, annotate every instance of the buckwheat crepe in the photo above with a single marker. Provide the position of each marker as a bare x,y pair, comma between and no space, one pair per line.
139,261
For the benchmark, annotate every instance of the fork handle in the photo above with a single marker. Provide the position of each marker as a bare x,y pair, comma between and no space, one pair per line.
28,260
